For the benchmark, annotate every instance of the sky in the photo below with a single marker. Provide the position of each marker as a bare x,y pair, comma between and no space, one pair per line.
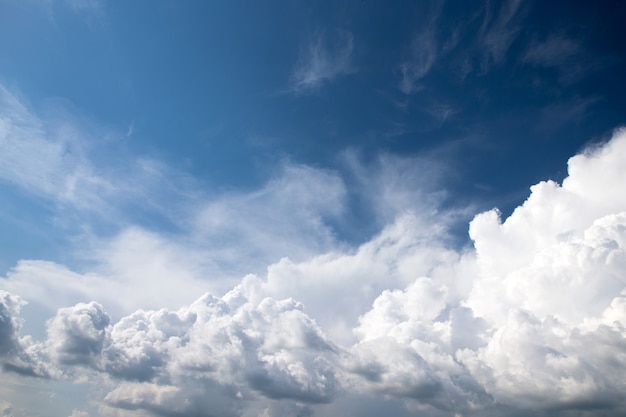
312,209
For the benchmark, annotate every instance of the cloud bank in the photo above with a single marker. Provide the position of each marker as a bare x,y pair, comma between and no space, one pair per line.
532,319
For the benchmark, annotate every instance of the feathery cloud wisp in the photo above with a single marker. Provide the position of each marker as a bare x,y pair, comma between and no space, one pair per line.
327,56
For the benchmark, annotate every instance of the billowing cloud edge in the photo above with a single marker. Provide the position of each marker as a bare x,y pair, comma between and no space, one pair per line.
534,318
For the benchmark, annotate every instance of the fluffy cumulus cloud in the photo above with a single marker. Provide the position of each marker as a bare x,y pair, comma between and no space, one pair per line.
77,333
531,319
216,354
552,287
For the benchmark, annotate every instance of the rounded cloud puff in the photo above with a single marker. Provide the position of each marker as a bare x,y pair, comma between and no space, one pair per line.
532,319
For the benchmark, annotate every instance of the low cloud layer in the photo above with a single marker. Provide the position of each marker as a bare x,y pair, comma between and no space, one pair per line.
532,319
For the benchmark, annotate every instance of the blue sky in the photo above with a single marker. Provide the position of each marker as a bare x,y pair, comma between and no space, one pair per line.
311,208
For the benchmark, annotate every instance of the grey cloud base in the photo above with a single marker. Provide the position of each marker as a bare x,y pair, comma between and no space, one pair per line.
532,320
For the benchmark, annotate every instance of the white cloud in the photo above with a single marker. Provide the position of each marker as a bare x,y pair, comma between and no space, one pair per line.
500,31
423,54
217,237
532,319
567,56
222,352
553,218
168,400
144,269
554,51
401,253
407,343
500,28
227,237
542,319
53,285
47,159
18,354
547,273
288,216
327,56
545,364
391,186
77,334
55,155
9,324
220,237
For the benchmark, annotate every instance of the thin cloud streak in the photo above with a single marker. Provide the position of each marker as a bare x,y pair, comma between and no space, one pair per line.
423,54
424,50
327,56
565,55
555,51
499,32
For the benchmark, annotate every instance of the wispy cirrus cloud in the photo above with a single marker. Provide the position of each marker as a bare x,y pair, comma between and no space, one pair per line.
501,25
499,30
327,56
53,154
424,49
54,159
422,55
554,51
567,56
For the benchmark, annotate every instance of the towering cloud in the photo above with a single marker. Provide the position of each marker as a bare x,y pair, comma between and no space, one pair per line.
532,320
